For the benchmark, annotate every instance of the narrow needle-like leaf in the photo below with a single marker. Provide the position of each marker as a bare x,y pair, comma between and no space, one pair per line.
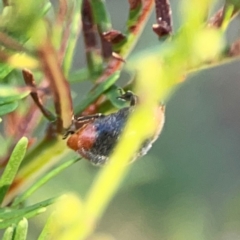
21,230
12,166
8,234
100,89
14,216
46,232
43,180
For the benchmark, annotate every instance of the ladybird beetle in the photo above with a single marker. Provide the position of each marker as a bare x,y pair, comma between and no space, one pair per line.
99,134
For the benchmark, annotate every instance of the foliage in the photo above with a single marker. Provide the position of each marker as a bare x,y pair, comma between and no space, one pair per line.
46,47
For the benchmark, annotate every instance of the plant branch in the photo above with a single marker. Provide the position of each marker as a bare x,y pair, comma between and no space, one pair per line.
136,22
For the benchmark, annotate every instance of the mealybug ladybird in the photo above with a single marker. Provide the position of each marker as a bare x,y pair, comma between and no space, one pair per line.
99,134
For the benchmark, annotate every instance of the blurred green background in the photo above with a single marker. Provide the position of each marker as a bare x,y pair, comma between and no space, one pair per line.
188,186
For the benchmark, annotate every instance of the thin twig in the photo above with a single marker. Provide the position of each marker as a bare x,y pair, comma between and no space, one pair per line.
59,85
89,29
103,22
5,3
89,35
64,43
10,43
62,11
29,80
4,56
106,47
68,17
163,26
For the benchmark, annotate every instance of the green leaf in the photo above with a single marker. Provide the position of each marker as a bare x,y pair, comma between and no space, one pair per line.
8,234
7,108
79,75
4,70
15,215
12,166
100,89
10,94
46,232
72,41
236,3
43,180
23,16
134,15
101,16
21,230
46,8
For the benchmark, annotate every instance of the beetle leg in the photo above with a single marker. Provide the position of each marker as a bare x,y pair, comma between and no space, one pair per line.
89,117
81,120
128,96
71,130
